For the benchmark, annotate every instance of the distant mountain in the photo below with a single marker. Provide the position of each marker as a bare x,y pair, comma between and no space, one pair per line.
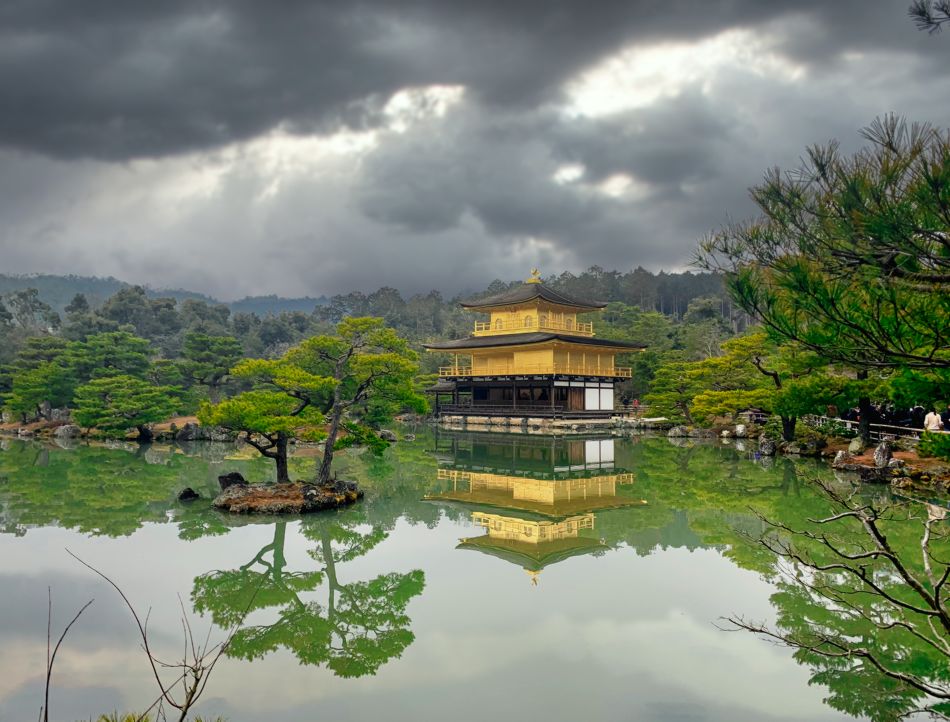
58,291
264,305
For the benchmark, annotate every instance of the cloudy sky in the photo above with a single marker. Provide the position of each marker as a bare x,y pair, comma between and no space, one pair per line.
324,146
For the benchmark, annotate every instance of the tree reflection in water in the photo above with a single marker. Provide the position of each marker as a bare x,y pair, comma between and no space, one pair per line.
357,626
862,599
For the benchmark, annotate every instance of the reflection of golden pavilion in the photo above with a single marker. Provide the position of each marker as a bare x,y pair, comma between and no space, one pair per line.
549,497
533,544
555,487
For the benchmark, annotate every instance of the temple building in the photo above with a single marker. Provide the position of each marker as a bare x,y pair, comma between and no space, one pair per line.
536,497
532,356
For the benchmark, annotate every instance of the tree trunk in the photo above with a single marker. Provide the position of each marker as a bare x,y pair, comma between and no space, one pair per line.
280,535
145,434
332,583
864,412
686,415
788,427
323,476
281,457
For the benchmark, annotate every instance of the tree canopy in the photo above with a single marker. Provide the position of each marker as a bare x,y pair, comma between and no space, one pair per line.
851,255
115,404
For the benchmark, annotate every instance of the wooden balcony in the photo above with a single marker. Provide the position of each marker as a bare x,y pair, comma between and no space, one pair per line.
485,328
623,372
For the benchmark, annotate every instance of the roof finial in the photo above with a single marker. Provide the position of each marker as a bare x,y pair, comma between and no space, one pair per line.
535,276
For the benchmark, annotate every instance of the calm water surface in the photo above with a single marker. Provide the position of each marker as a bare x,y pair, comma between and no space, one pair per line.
484,577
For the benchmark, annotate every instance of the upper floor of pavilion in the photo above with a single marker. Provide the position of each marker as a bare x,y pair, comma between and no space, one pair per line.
533,307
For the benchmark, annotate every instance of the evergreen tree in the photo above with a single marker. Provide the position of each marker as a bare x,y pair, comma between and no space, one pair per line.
116,404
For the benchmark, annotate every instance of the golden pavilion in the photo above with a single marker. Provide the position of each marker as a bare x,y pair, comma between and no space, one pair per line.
533,356
536,497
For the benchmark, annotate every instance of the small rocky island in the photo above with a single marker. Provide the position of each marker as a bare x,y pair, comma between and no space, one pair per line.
241,497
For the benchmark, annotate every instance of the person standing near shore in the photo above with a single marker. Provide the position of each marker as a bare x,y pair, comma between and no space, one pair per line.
933,422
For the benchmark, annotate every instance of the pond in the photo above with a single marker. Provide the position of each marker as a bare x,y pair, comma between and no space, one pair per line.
484,576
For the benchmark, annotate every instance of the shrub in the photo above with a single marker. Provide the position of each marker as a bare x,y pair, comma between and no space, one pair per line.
832,427
934,443
773,429
807,435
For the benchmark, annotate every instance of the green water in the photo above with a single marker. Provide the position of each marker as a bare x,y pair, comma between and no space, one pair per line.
460,588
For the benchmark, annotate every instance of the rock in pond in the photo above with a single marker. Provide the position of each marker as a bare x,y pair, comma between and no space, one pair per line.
766,446
67,431
741,431
678,431
226,480
194,432
882,455
287,498
842,457
188,494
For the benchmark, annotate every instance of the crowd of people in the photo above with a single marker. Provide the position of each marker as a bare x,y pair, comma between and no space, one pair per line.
917,417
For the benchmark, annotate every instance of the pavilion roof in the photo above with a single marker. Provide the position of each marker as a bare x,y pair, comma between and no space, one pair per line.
533,556
521,339
502,500
529,291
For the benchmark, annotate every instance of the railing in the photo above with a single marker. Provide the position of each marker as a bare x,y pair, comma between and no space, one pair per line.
630,411
877,432
541,409
485,328
624,372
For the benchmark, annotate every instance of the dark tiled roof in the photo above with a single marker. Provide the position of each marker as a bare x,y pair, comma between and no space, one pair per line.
520,339
529,292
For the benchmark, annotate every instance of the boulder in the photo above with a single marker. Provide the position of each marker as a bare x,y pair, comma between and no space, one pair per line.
842,457
67,431
59,415
741,431
233,479
289,498
856,446
188,494
195,432
766,446
677,431
702,434
387,435
866,473
882,454
895,464
805,447
409,437
725,433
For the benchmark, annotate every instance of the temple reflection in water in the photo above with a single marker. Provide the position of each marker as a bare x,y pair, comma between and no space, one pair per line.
536,497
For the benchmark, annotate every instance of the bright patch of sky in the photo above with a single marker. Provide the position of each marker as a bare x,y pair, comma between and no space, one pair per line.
641,76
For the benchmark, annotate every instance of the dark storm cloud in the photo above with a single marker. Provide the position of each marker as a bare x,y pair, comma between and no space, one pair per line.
138,139
118,79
